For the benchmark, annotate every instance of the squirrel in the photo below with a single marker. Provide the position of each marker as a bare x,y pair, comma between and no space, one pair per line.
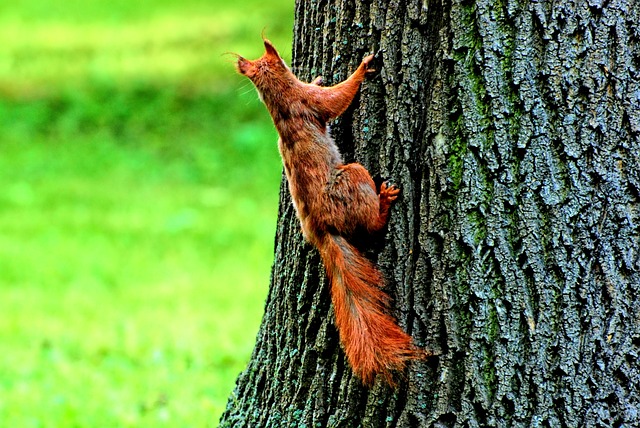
333,200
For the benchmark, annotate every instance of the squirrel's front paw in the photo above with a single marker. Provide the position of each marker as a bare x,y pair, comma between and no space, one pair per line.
365,63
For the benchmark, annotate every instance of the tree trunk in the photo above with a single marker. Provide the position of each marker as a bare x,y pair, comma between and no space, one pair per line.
513,130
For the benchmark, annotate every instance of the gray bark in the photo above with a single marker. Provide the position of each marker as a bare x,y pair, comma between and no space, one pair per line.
513,130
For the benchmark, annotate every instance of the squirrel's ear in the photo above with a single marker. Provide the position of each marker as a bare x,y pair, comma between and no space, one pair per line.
270,49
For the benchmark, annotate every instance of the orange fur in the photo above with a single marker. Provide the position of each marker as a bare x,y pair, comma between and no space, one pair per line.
334,200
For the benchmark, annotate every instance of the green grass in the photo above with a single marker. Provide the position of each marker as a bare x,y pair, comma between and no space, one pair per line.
138,194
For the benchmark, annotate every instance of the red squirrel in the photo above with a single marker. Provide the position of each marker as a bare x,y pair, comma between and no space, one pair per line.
333,200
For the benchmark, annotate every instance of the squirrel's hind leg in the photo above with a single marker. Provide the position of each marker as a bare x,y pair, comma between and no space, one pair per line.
388,194
354,191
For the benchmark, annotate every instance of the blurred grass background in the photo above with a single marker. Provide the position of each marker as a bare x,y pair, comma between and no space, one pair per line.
138,193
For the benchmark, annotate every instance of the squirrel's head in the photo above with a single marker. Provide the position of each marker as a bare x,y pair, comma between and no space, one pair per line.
266,70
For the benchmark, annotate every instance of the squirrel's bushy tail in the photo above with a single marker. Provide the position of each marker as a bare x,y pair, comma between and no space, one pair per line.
372,340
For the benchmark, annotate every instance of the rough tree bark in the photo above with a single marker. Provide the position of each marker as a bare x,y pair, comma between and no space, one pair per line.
513,130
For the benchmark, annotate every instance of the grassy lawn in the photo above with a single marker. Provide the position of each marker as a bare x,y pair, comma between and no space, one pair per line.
138,195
